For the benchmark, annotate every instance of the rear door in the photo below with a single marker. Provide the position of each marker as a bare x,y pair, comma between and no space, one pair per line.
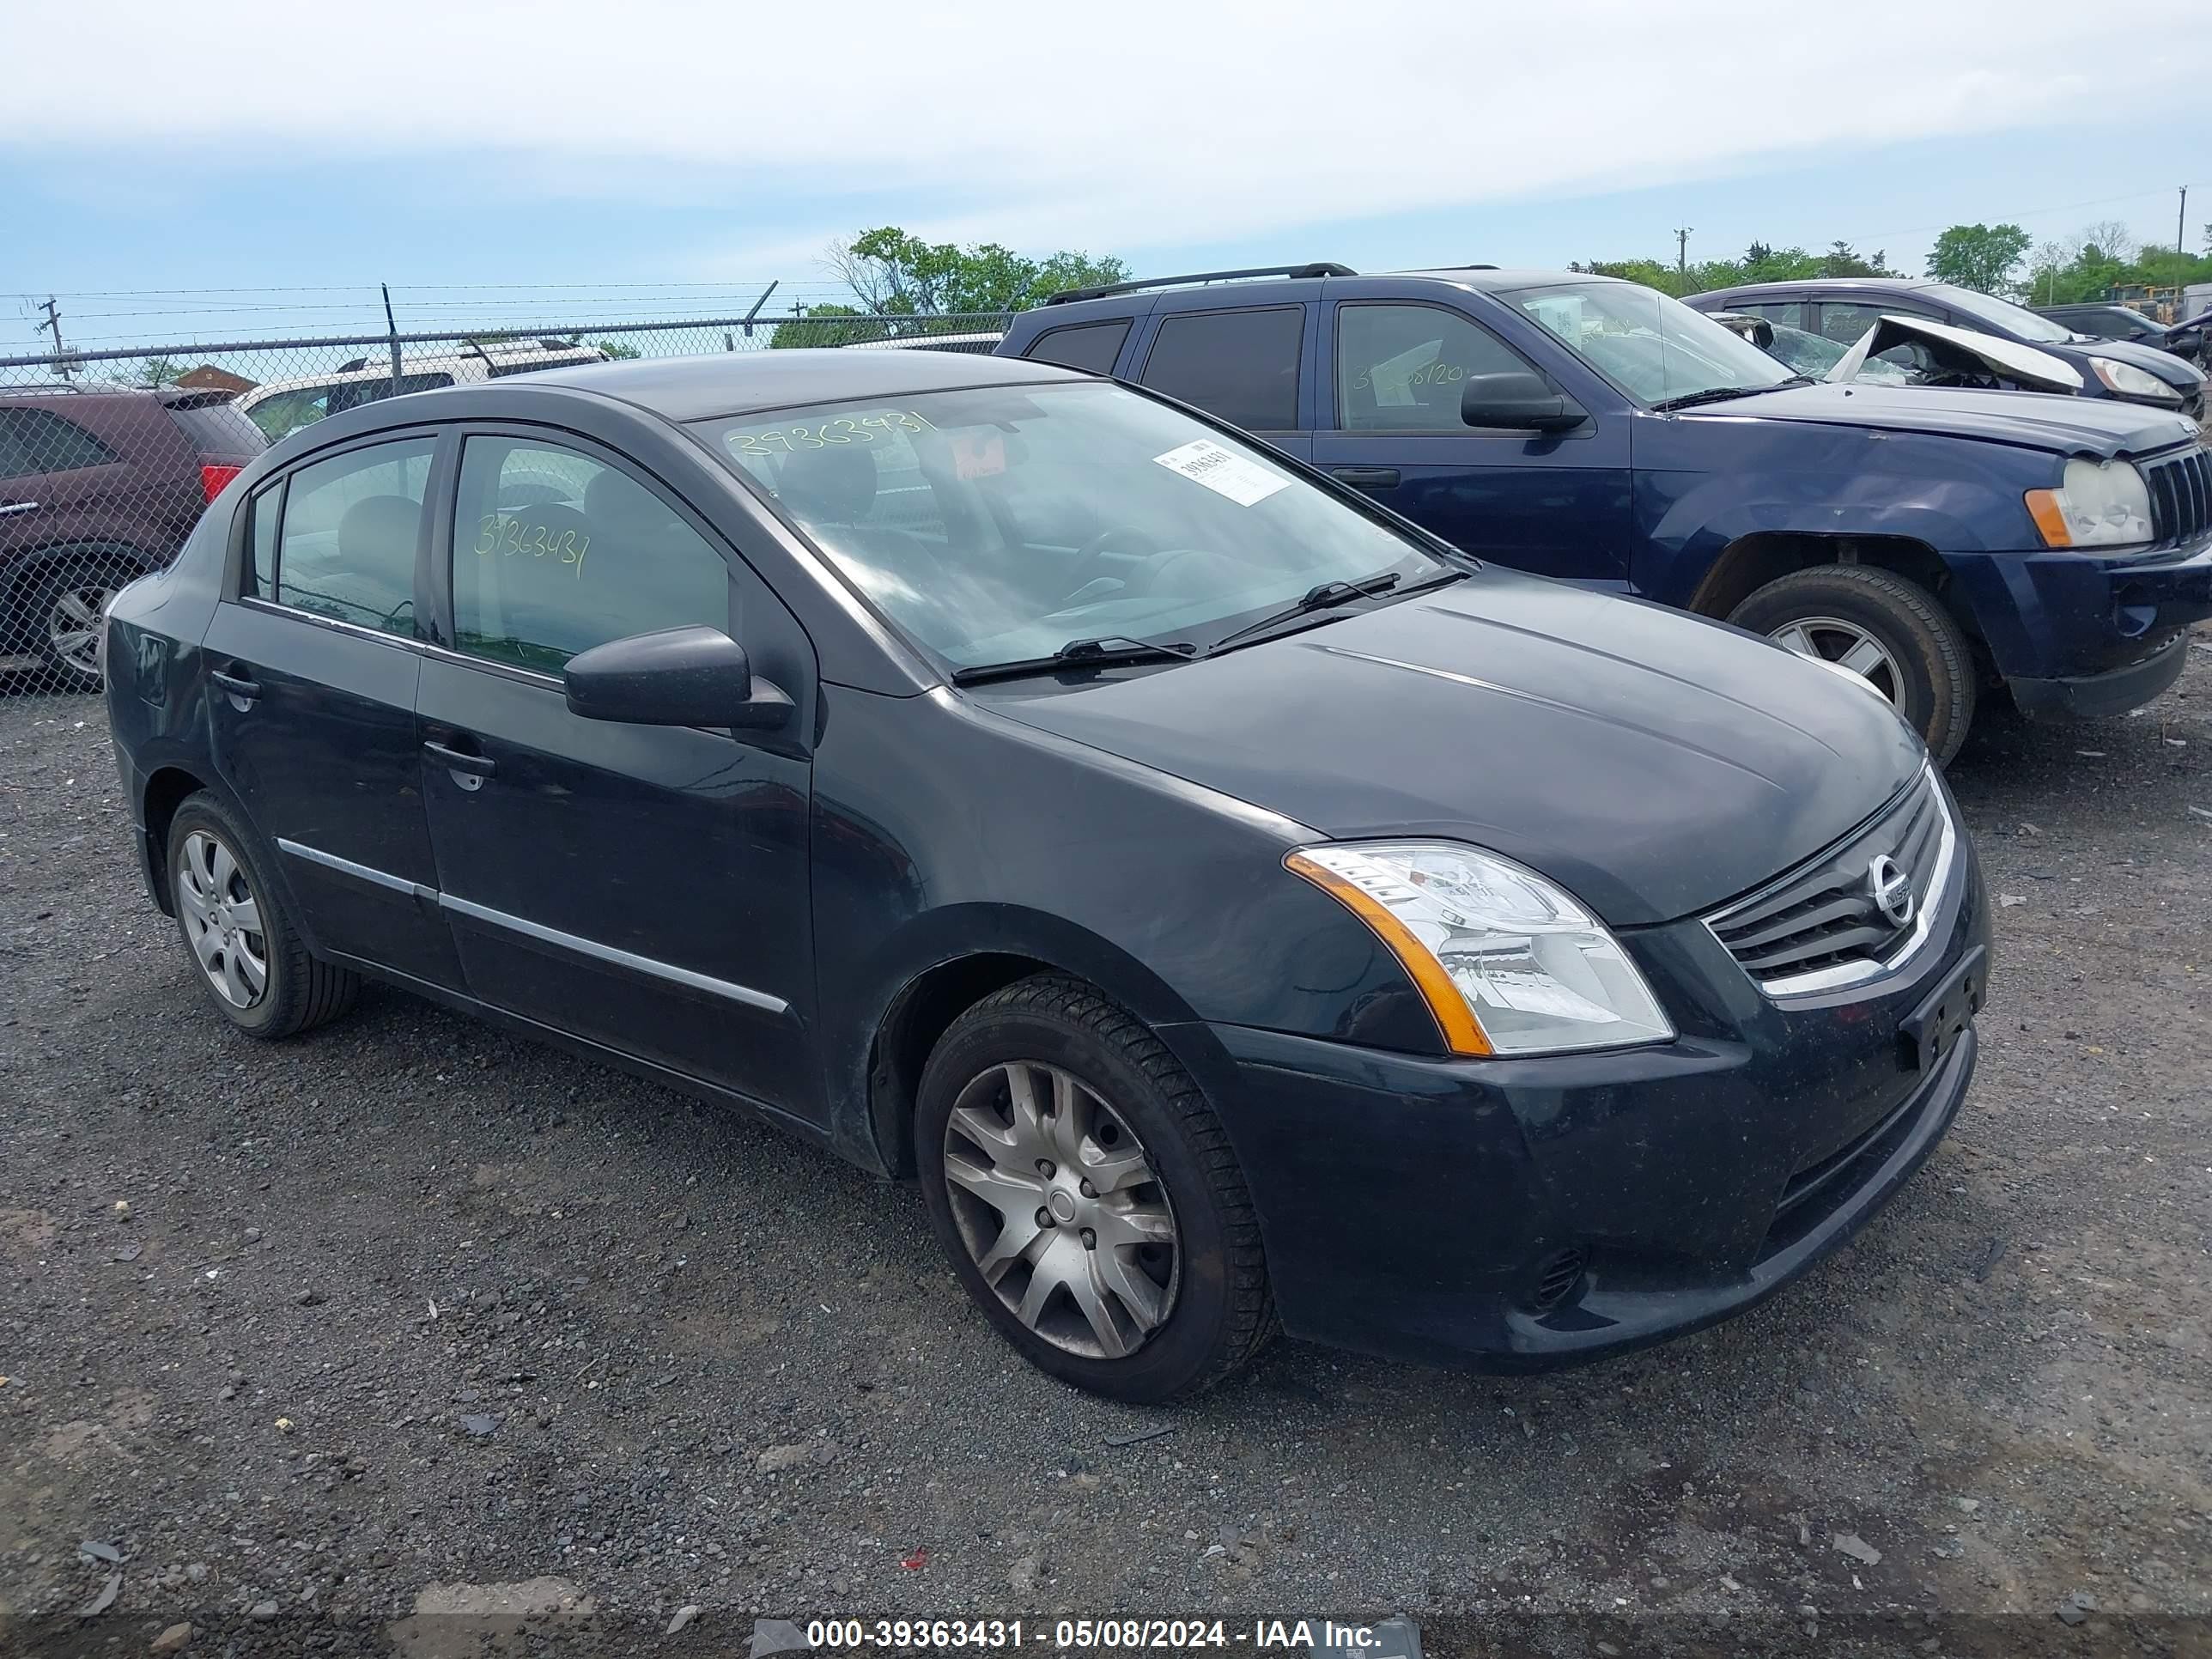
312,655
1391,372
646,887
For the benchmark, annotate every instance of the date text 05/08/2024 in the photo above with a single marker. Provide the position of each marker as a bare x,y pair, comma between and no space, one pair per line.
1391,1639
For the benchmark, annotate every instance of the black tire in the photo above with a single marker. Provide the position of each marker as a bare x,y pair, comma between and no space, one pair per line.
1222,1314
1936,675
299,993
87,582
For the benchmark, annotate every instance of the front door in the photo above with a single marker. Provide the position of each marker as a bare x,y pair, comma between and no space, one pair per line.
1395,372
312,667
642,886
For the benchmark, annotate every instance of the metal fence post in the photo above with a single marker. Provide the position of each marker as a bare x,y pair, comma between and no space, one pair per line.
391,328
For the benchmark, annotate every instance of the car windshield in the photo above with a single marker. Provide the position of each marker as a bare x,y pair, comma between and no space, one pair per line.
1002,524
1653,348
2016,320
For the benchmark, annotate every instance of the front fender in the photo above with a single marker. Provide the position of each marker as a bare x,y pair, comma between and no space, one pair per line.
1952,496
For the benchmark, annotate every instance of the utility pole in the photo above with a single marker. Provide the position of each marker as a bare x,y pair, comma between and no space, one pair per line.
1682,250
53,323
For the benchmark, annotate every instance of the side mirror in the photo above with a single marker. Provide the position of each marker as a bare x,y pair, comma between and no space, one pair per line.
677,676
1519,401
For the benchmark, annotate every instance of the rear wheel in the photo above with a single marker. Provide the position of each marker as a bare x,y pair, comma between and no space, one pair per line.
69,608
1889,631
1088,1197
249,957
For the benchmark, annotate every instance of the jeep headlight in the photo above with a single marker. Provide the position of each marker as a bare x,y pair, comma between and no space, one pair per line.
2100,504
2126,380
1508,963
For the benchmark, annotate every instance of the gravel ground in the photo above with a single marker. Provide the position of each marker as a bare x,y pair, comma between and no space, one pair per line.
333,1343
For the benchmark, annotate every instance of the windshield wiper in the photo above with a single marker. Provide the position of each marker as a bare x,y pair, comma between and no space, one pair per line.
1110,651
1321,596
1722,393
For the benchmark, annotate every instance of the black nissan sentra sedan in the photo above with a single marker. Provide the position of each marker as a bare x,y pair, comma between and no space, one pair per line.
1236,907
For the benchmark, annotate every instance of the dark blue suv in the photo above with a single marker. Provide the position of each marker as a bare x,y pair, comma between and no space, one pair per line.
1939,543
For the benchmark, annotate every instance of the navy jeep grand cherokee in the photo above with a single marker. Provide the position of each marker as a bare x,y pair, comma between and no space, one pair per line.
1940,543
1251,909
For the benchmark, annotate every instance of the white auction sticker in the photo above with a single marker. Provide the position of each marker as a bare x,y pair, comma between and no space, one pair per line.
1224,472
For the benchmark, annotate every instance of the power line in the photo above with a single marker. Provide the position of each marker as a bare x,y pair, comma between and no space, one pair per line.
2032,213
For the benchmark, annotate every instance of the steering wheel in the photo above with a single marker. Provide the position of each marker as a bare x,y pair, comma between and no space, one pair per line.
1090,557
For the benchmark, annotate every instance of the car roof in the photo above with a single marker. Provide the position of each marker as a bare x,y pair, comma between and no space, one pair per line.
740,383
1845,284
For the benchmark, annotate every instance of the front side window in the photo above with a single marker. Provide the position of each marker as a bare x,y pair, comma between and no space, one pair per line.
1089,346
1403,368
1240,365
1655,348
1003,523
1785,314
354,393
282,413
351,525
554,552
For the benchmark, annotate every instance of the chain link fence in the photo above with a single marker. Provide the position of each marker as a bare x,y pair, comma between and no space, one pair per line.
108,459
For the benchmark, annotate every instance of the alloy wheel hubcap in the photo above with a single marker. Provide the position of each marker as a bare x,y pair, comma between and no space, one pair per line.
73,629
222,919
1060,1209
1843,645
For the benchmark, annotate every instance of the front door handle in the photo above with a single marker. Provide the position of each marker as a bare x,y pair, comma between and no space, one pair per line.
468,770
8,509
1366,477
242,687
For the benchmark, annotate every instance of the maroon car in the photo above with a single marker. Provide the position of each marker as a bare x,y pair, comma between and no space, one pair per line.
98,486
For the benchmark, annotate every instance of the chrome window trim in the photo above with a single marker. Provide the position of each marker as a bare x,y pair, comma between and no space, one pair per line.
1860,969
255,602
651,966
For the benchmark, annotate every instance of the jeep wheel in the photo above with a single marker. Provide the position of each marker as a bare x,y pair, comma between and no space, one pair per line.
1891,632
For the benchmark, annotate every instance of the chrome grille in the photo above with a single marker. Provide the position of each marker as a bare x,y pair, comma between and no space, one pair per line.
2180,493
1821,925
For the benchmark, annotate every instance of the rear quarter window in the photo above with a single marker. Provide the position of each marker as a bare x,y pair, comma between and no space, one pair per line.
1090,346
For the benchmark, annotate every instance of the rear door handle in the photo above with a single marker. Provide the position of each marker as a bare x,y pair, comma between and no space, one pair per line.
469,769
240,685
1366,477
8,508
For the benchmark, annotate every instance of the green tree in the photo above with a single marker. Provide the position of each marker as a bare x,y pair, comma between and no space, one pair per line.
618,348
157,373
1842,260
906,286
1980,257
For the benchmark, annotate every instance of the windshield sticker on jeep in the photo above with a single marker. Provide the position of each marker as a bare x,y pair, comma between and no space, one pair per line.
1224,472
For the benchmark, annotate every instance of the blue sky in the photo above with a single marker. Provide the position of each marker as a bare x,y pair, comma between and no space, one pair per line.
634,181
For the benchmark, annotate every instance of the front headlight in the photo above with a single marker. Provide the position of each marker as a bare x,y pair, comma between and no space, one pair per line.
2101,504
1508,963
2126,380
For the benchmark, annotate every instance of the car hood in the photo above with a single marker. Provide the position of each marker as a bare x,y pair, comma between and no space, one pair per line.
2104,426
1653,763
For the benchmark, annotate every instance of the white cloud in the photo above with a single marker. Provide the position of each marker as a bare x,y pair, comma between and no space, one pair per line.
1139,125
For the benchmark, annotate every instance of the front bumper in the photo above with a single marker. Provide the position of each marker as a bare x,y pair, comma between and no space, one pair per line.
1428,1208
2076,632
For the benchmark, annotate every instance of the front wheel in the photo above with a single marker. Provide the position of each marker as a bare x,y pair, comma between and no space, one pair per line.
1088,1196
1889,631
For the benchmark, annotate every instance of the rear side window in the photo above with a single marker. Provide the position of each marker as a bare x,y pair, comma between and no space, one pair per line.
1090,346
47,443
350,529
1242,366
354,393
261,540
1402,368
555,552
